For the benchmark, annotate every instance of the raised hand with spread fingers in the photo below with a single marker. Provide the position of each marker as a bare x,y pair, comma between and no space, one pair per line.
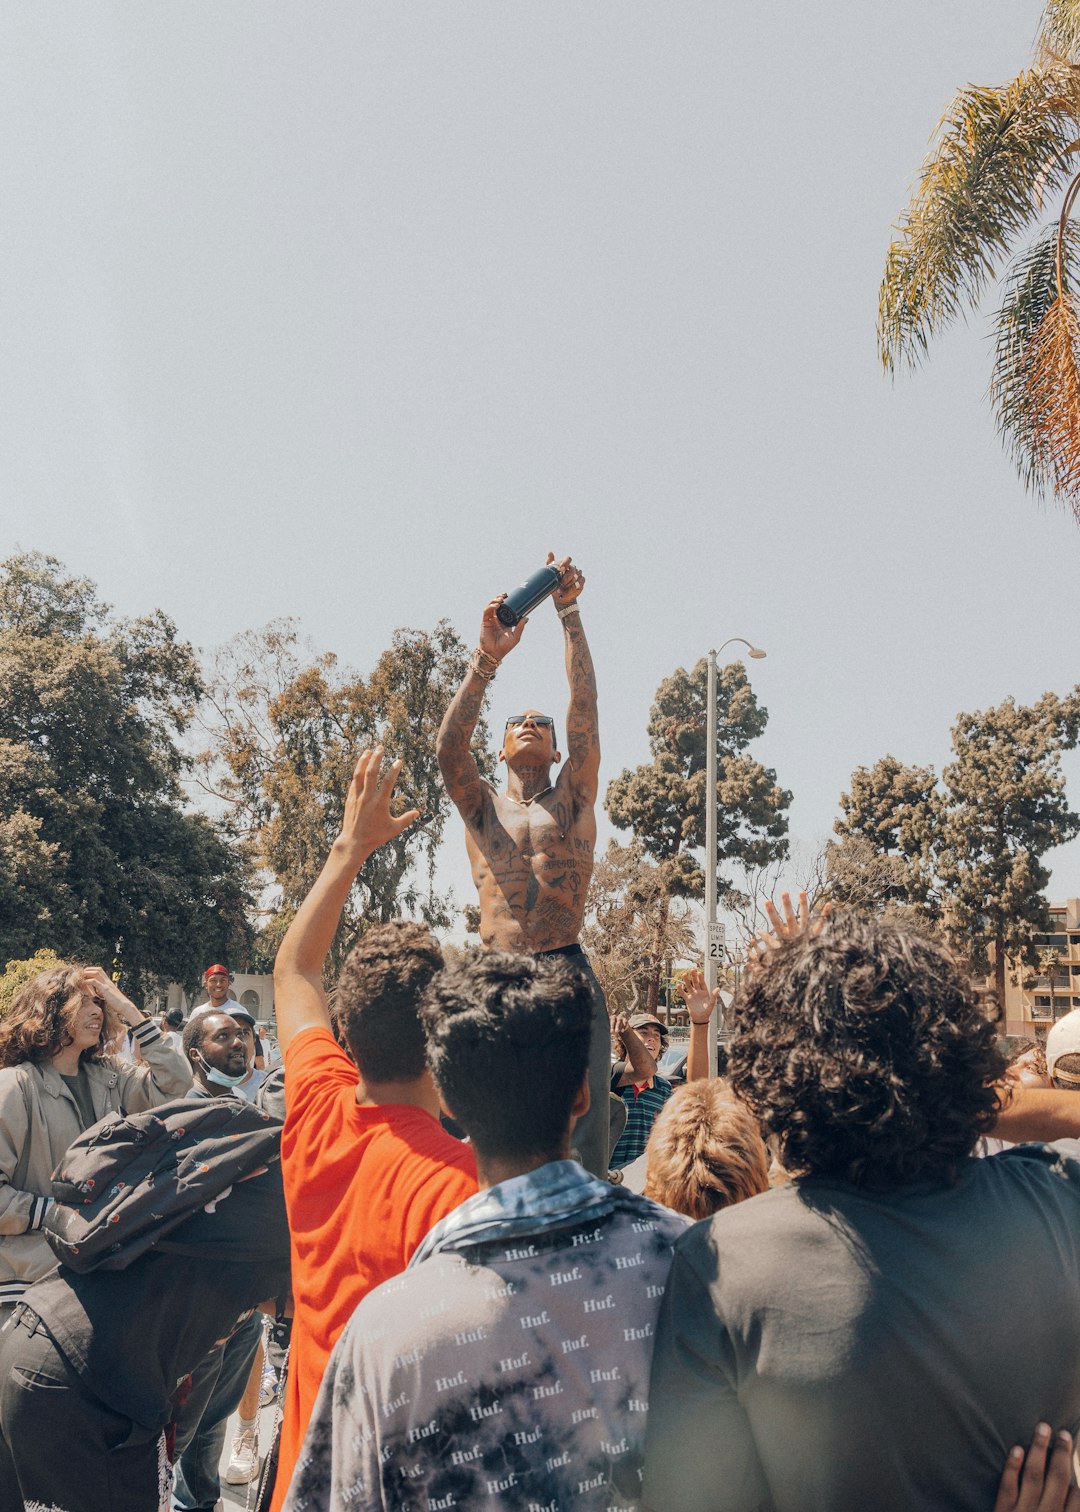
700,1005
794,922
368,822
300,999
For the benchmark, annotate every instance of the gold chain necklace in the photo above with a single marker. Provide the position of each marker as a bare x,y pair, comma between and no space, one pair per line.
524,802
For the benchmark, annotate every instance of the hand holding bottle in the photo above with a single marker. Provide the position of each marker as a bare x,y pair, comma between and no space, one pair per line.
496,637
571,581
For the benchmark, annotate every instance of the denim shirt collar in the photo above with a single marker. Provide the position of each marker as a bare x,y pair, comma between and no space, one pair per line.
552,1196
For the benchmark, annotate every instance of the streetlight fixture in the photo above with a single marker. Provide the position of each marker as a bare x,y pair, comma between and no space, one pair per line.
711,858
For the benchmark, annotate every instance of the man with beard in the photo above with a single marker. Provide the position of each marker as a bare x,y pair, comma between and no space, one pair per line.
218,1054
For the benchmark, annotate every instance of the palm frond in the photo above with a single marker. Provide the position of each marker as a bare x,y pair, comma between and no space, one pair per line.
1059,31
1035,388
1052,382
998,150
1030,290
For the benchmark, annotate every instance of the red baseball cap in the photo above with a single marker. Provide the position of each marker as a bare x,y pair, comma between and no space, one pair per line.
216,971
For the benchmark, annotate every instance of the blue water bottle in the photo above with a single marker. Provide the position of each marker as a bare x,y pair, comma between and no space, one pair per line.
524,598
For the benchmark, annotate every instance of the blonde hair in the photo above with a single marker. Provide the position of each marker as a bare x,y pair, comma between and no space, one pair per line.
705,1151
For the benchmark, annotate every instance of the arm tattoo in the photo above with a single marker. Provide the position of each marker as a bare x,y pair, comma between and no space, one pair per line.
582,724
453,749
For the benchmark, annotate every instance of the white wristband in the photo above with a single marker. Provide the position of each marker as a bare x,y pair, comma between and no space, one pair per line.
567,610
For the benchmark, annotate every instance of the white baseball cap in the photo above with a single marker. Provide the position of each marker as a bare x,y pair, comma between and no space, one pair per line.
1063,1039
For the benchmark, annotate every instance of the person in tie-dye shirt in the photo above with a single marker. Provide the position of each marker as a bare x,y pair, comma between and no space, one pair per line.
508,1367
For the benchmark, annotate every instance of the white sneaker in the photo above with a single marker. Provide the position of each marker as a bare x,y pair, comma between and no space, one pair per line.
244,1462
268,1385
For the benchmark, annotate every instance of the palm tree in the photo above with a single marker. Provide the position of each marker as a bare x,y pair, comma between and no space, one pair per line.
998,155
1048,962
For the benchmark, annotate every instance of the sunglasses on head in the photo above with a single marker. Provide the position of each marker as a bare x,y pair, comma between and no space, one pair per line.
537,719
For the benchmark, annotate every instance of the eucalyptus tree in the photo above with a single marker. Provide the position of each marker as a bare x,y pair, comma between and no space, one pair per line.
633,928
284,729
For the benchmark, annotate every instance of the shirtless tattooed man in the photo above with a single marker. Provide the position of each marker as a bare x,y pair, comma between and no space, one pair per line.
531,848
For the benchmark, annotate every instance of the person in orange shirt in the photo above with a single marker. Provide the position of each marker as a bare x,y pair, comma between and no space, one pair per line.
368,1168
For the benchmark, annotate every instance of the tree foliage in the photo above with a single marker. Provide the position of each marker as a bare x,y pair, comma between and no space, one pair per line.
891,815
18,973
999,154
1060,32
861,878
99,859
663,801
1005,806
632,928
966,850
285,730
1034,387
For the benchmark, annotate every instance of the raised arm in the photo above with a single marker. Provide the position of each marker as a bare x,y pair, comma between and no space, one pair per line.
453,744
299,998
1036,1113
640,1065
159,1072
582,722
803,920
700,1007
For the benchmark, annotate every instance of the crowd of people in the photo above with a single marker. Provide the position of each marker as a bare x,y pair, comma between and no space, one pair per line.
516,1266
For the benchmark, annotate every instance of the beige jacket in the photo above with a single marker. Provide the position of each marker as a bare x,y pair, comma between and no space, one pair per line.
39,1119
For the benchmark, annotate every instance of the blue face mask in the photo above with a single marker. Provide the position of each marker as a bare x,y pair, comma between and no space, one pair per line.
221,1078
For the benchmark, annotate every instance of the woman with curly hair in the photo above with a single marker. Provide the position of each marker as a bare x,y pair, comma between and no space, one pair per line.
56,1080
841,1341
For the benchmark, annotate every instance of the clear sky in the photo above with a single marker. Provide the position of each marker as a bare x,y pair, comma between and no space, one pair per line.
350,312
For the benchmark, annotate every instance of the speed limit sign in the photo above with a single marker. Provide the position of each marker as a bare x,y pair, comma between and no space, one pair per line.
717,941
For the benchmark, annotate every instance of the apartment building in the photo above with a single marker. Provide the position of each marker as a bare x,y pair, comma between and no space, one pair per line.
1037,995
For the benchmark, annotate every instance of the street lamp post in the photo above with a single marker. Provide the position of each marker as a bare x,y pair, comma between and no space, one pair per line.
711,858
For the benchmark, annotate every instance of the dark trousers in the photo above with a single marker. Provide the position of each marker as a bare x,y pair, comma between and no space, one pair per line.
217,1384
591,1139
61,1447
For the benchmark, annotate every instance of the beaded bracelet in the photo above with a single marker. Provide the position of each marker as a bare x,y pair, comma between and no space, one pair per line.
483,665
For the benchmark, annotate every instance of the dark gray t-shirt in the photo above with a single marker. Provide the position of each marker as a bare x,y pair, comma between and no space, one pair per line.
823,1349
79,1087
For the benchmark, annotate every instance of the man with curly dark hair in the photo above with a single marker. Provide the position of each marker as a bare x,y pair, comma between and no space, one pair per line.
840,1342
